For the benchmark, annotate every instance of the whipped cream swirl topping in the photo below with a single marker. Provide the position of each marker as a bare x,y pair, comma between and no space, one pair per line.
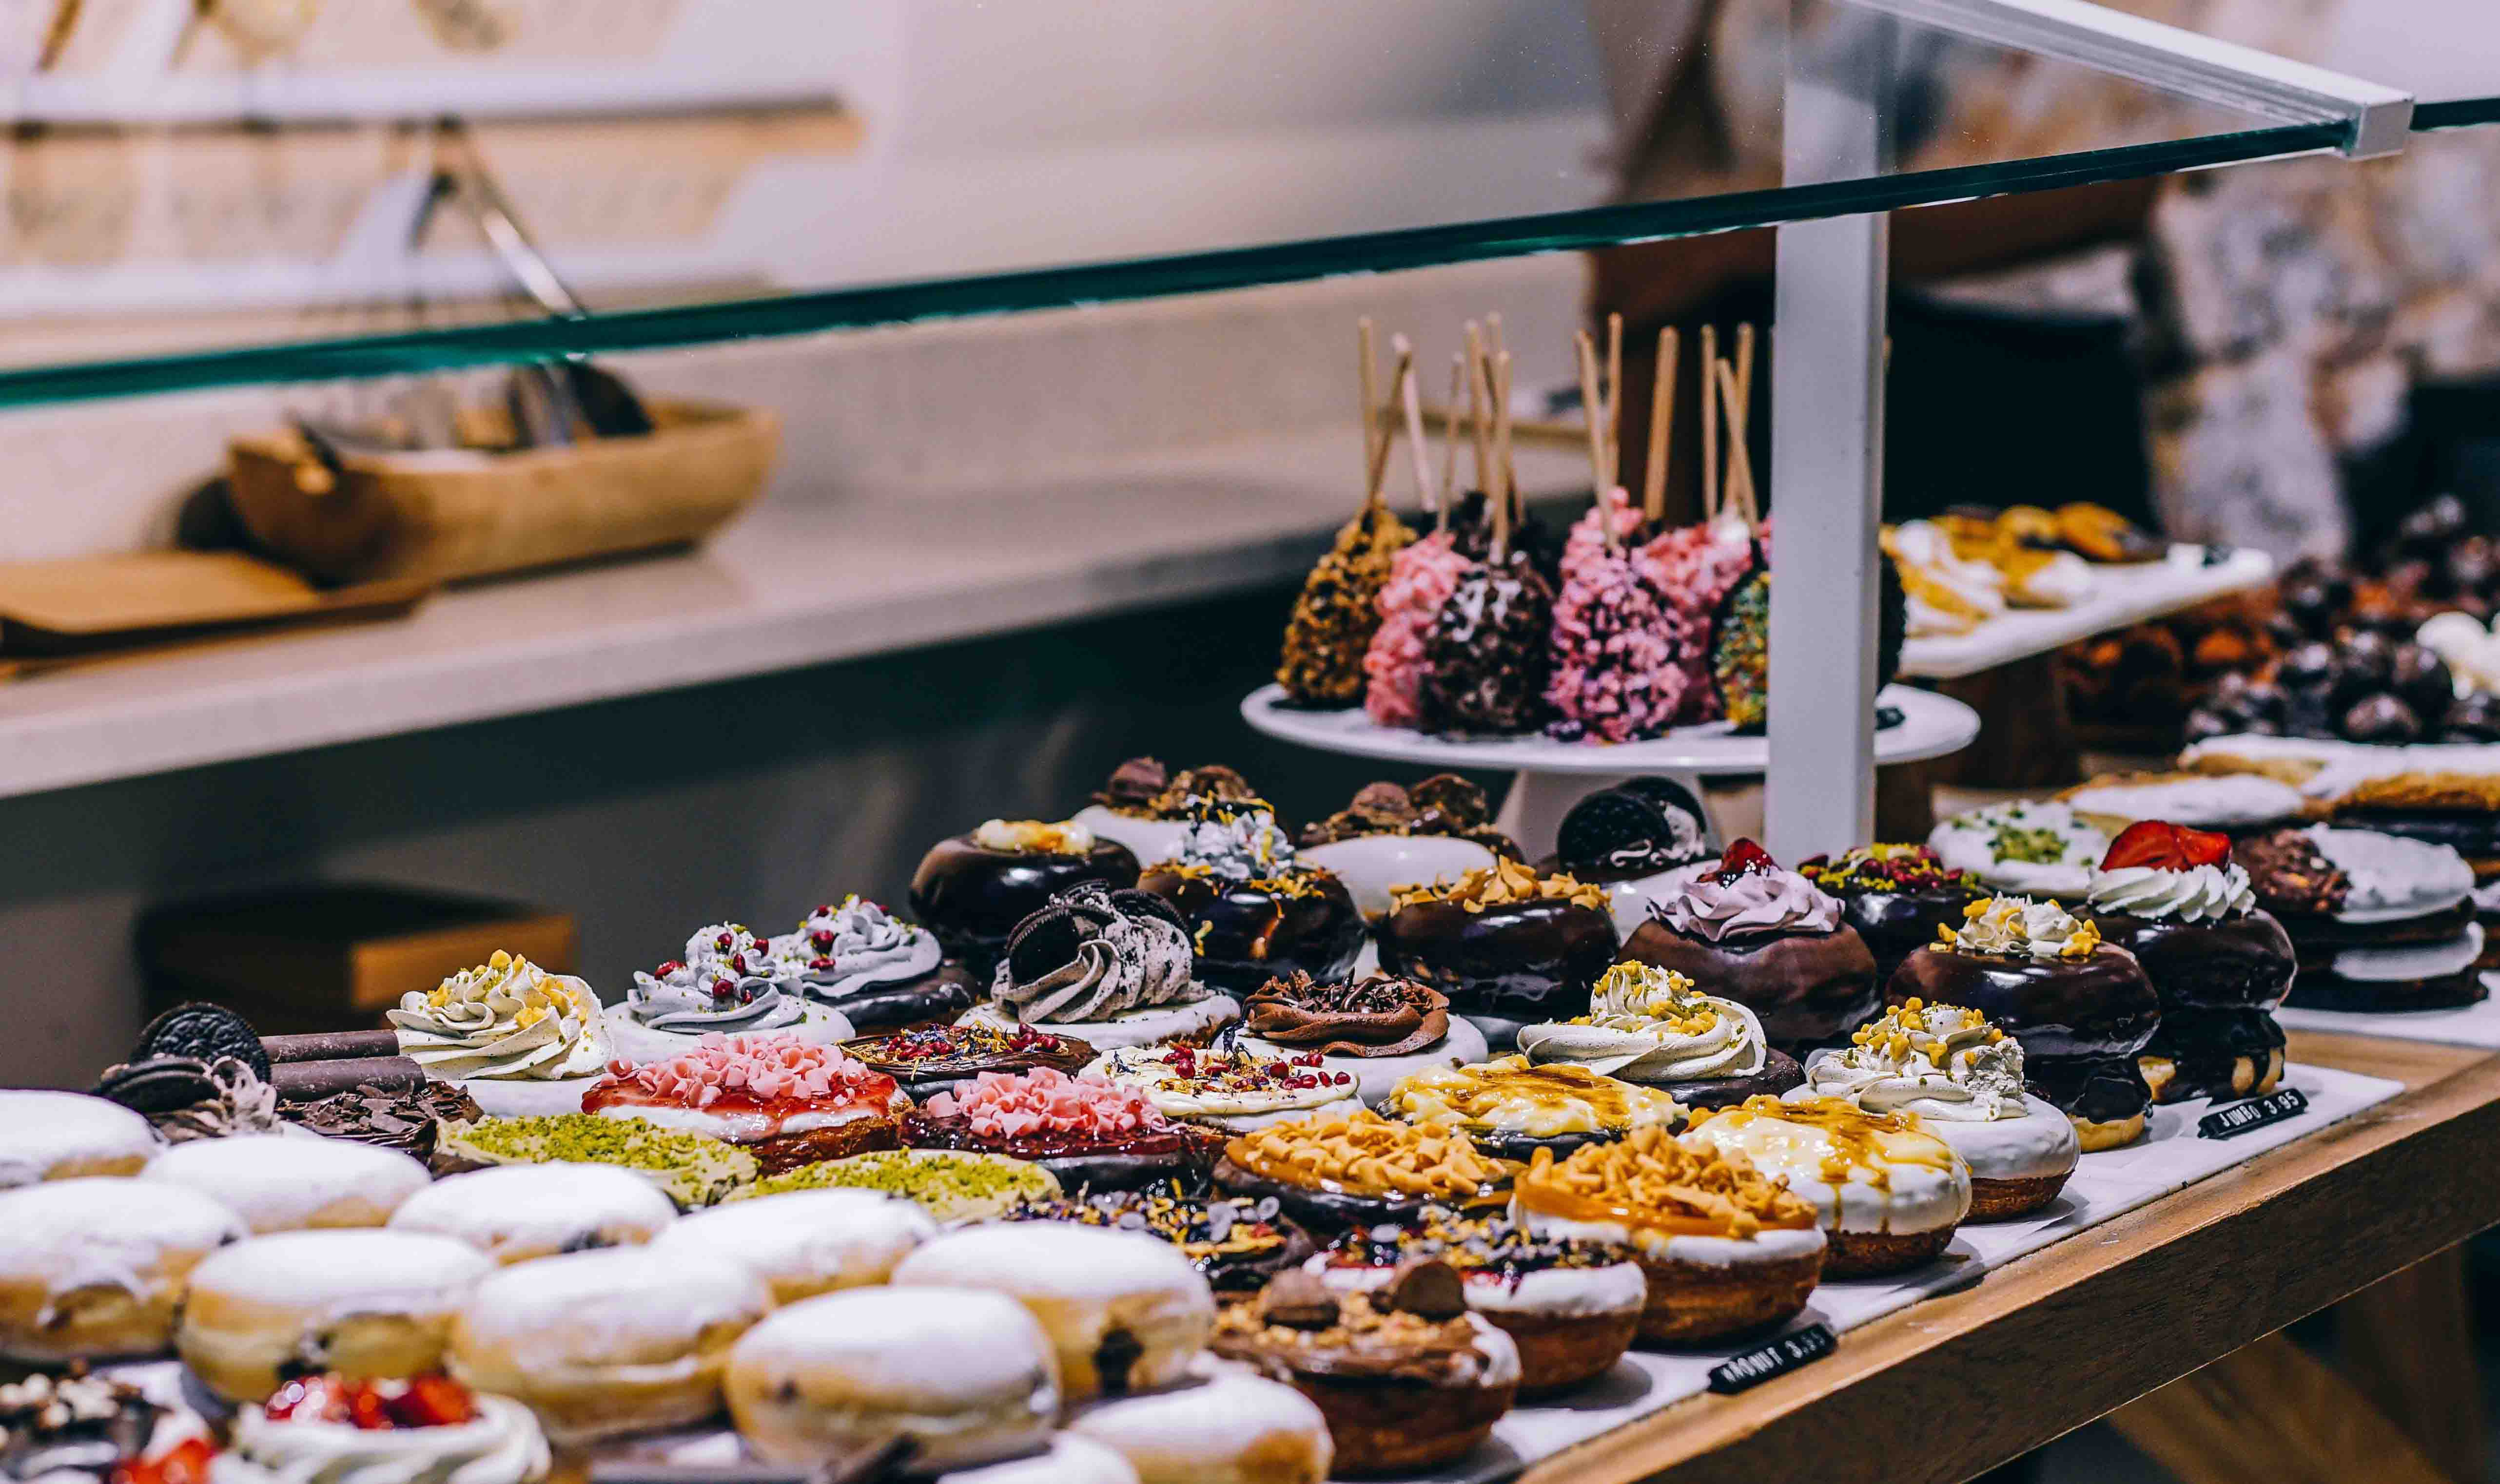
2191,895
1025,837
1720,906
1648,1024
1237,840
500,1444
855,946
1094,953
728,980
2019,928
1938,1061
505,1019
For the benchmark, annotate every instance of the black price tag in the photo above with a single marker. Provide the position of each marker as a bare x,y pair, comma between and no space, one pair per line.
1777,1356
2256,1112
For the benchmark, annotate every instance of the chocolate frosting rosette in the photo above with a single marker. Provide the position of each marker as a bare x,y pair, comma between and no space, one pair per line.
1111,968
1769,939
1374,1030
729,982
1650,1025
1252,908
1508,945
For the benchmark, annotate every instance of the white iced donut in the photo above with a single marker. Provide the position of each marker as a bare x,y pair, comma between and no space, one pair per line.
599,1344
290,1184
66,1136
1237,1428
1068,1460
360,1303
967,1376
95,1268
1125,1312
805,1242
515,1212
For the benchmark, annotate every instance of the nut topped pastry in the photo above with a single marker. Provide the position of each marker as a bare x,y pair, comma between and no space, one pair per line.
691,1169
1650,1025
949,1184
1963,1076
1408,1378
1374,1030
1252,907
1887,1190
1725,1248
1511,1107
1358,1167
1768,939
1111,967
1236,1244
974,888
1895,895
1508,944
2022,847
505,1021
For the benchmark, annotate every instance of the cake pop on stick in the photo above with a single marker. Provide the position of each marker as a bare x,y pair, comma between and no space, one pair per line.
1699,565
1421,577
1615,676
1486,658
1740,649
1336,613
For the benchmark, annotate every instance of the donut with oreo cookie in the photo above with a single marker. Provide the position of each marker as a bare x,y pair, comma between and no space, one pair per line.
1641,838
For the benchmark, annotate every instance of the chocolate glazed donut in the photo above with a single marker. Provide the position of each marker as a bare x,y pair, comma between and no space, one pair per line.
1898,923
2081,1023
2219,983
1526,962
1246,934
971,898
1809,990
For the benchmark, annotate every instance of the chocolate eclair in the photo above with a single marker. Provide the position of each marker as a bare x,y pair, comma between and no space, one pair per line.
2221,963
1769,939
1390,836
973,889
1639,839
1236,1244
1376,1030
1088,1132
1145,806
1508,945
1895,895
1408,1378
930,1059
1253,910
2082,1010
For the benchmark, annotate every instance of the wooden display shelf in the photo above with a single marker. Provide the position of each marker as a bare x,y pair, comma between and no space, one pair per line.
1957,1384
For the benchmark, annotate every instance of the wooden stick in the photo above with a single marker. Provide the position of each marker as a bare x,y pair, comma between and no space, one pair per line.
1588,353
1740,470
1479,407
1413,396
1661,425
1367,387
1709,422
1494,345
1450,441
1378,474
1508,471
1745,400
1614,400
1745,364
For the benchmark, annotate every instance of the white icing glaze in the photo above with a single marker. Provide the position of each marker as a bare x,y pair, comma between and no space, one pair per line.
2470,651
1944,1063
347,1272
1068,1460
813,1023
2413,960
1235,1428
282,1184
1134,1027
1499,1352
1061,1261
804,1241
1558,1292
1629,900
1900,1197
1149,840
521,1098
1372,866
1771,1244
1374,1075
515,1212
2392,877
568,1320
41,1132
63,1235
501,1446
2228,799
2041,1141
1628,1032
1144,1067
1966,842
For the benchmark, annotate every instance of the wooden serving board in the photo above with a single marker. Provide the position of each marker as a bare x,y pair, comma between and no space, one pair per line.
92,610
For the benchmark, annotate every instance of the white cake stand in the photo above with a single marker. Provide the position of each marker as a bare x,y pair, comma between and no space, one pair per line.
1549,777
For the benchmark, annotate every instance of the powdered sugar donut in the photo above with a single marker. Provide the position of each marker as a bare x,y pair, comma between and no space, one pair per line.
515,1212
1068,1460
61,1136
289,1184
805,1242
969,1376
599,1344
360,1303
94,1268
1126,1312
1235,1428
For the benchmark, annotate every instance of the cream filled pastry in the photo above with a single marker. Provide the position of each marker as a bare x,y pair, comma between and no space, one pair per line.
785,1101
1962,1078
1125,1312
94,1268
1887,1190
729,982
804,1243
855,946
359,1303
1227,1087
425,1430
1235,1428
1649,1025
1765,937
599,1343
279,1183
1114,967
60,1136
515,1212
1509,1107
506,1021
2022,847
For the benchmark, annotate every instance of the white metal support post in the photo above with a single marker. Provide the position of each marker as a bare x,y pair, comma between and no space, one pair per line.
1827,446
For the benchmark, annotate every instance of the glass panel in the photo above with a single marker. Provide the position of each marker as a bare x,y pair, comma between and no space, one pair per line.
959,158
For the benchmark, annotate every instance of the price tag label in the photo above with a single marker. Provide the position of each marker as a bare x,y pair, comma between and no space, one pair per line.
2256,1112
1776,1357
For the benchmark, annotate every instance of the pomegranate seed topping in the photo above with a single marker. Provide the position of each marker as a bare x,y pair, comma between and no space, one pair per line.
821,937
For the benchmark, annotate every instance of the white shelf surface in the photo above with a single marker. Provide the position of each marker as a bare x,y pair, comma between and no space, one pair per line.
1931,727
787,586
2120,596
